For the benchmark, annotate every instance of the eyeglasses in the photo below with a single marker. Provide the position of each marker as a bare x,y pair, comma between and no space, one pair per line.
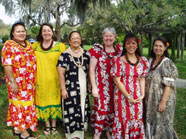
76,38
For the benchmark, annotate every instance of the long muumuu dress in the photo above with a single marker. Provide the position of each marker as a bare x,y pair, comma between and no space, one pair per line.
128,121
76,107
159,125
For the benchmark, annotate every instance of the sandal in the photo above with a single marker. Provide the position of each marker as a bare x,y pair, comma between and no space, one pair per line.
46,131
16,133
54,130
28,137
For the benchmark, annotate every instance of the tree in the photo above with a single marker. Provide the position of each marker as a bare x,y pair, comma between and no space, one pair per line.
39,11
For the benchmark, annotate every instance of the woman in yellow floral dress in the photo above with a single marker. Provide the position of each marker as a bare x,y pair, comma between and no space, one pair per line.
19,62
48,96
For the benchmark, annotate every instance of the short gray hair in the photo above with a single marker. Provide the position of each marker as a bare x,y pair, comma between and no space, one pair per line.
109,30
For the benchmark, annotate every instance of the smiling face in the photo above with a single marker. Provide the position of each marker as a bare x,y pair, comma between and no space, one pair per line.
47,33
131,45
75,40
108,39
159,48
19,33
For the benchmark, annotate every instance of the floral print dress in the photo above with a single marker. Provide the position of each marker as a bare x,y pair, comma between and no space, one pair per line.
159,125
21,111
103,109
128,122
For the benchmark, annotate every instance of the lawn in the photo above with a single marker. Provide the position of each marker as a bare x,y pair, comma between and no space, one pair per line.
6,132
179,121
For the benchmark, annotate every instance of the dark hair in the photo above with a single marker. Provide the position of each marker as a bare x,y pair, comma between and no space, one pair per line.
164,41
13,28
39,37
129,36
79,35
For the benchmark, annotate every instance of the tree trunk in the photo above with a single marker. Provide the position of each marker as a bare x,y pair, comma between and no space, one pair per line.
173,47
58,24
182,45
150,44
141,48
178,40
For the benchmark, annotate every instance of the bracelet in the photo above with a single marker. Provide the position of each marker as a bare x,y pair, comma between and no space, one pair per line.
11,80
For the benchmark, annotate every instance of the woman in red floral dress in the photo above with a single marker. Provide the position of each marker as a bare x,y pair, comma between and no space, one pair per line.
19,63
129,72
102,83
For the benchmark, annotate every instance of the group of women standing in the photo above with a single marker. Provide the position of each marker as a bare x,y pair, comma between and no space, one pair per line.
38,75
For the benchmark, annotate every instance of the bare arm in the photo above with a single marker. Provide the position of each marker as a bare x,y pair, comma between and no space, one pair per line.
92,75
121,87
9,72
61,73
166,93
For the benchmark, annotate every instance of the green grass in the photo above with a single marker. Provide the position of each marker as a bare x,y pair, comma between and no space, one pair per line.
6,132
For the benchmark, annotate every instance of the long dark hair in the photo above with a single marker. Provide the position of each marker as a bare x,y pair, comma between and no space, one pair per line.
13,28
164,41
70,35
127,37
39,37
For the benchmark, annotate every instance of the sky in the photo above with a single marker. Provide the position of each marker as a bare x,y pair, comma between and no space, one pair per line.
6,19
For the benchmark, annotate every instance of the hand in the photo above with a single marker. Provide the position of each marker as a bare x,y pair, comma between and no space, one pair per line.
14,87
131,100
162,106
139,99
89,87
95,92
64,94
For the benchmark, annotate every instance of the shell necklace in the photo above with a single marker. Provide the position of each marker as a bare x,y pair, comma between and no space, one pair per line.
78,65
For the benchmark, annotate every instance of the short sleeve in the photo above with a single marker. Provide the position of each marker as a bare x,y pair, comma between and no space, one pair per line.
63,60
62,47
88,56
116,67
95,51
35,45
146,67
7,55
169,73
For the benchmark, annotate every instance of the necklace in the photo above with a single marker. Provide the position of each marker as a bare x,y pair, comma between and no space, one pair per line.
45,49
151,66
110,57
22,44
75,51
78,65
133,64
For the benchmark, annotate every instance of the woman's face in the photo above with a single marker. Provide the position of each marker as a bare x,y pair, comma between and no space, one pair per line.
159,48
75,40
131,45
19,33
47,33
108,39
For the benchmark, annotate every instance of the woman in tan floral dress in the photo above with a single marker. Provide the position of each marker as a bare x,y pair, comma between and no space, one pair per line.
160,93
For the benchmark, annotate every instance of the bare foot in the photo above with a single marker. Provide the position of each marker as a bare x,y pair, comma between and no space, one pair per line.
108,135
96,136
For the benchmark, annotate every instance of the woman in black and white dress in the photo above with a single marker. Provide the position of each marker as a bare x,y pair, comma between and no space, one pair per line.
73,73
